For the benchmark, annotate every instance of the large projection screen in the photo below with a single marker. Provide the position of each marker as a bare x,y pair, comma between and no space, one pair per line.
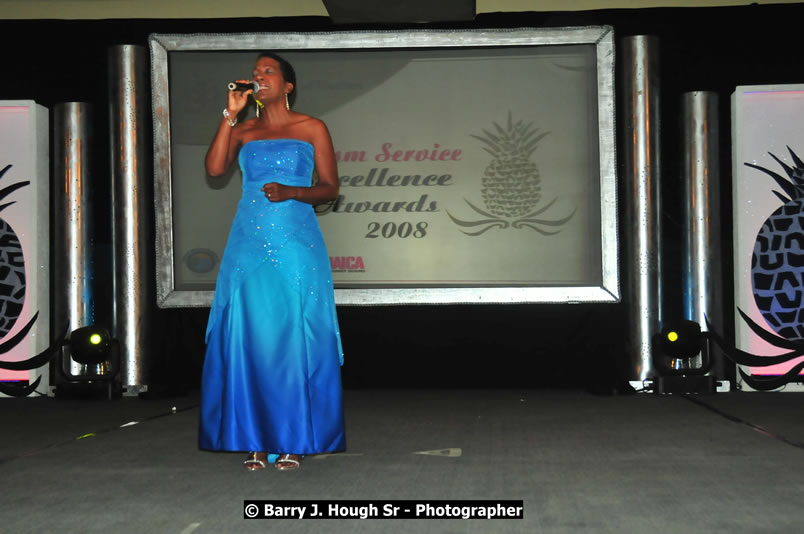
475,166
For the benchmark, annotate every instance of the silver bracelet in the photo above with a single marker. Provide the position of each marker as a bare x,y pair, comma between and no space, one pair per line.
228,117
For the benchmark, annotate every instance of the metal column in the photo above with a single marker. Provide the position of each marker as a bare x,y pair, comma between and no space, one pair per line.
73,294
131,215
643,278
702,271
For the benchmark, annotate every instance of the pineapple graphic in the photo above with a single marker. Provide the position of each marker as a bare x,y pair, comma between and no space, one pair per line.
777,263
12,299
511,183
12,266
777,276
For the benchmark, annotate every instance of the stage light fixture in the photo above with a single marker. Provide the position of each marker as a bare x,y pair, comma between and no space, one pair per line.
91,345
98,354
681,358
681,339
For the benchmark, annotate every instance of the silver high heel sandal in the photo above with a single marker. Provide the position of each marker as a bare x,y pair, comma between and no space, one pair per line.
286,462
252,463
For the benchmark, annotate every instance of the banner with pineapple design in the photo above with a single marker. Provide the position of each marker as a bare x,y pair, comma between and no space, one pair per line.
768,215
504,144
24,238
459,167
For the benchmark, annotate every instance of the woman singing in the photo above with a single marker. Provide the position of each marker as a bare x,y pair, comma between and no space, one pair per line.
271,381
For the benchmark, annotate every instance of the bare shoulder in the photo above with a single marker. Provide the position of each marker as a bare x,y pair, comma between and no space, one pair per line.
318,132
312,130
310,124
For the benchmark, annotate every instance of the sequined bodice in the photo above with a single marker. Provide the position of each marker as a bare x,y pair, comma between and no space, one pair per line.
286,161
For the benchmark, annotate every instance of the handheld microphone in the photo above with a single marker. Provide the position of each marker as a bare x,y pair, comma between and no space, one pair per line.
240,86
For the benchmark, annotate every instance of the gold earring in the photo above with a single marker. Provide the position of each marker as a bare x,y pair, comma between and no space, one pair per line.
287,102
260,105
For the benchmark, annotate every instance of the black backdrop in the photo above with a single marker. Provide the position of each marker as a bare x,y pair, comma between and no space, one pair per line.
556,346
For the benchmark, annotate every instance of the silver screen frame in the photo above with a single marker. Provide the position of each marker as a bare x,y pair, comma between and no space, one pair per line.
600,36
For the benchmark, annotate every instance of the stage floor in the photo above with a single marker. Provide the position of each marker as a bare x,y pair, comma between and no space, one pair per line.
729,462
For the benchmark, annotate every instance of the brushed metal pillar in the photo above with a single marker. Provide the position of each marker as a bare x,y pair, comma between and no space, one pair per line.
702,271
73,291
131,169
642,180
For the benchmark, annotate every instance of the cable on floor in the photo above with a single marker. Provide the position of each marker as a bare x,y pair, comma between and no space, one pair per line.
736,419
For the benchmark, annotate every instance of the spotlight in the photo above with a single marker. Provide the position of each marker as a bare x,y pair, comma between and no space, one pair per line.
681,357
90,355
90,345
681,339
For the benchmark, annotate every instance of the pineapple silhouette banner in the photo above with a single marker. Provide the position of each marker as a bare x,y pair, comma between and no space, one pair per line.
777,279
12,265
12,298
511,184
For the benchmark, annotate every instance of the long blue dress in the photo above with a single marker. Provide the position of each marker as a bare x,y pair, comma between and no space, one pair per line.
271,380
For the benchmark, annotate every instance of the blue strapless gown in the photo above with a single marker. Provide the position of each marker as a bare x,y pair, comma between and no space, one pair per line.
271,380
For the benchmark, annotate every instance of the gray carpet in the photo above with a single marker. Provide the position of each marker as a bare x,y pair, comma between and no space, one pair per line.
729,462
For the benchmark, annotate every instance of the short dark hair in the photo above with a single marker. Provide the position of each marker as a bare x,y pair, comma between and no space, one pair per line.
287,72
